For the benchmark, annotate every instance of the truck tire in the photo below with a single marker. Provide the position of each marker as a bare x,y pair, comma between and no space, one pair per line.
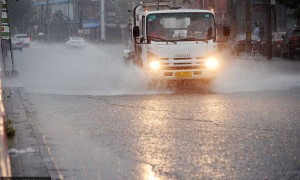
138,61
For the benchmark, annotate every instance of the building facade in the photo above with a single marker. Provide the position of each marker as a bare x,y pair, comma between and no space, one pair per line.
82,17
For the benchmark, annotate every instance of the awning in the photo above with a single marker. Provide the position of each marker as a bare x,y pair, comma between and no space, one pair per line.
88,25
51,2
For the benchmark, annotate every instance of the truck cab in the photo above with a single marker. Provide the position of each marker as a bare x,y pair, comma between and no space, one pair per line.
175,44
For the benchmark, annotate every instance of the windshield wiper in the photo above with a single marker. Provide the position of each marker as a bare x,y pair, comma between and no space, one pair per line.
193,39
161,39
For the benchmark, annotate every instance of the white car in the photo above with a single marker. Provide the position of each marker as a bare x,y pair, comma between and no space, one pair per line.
25,39
76,42
16,44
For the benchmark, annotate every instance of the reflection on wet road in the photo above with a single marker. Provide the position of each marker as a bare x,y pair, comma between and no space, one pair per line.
177,136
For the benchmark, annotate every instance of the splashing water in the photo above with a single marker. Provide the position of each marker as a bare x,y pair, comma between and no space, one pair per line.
95,70
100,70
246,74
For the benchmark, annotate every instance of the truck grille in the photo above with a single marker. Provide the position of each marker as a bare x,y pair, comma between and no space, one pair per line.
182,58
182,67
182,63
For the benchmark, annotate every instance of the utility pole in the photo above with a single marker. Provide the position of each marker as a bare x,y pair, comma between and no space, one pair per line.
103,34
248,25
80,23
273,4
269,29
47,14
1,25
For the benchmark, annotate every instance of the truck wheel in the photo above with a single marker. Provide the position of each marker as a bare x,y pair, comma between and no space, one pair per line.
138,61
152,84
157,85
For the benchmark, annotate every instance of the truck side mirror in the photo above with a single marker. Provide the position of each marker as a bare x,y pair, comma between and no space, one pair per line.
136,31
226,31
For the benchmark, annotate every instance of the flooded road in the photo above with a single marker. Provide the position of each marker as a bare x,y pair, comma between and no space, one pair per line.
100,70
100,120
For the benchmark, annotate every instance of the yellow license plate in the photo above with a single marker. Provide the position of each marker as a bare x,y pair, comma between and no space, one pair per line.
183,74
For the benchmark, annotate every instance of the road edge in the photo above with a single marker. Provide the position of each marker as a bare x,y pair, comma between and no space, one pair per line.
45,150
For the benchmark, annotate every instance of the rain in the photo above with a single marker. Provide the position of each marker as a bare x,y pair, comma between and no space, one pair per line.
172,89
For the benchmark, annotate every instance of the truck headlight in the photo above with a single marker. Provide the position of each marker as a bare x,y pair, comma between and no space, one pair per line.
211,63
154,65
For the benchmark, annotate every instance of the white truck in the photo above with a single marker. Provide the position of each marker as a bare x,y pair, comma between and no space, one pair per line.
174,53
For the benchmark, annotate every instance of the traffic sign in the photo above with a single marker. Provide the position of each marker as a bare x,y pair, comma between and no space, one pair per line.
5,32
4,5
4,18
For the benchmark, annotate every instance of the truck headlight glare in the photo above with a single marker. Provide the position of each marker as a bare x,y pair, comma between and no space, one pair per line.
154,65
211,63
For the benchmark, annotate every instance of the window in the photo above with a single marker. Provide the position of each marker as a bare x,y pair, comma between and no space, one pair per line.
177,25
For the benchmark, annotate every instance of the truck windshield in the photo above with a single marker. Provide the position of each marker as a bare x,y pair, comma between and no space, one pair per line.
181,26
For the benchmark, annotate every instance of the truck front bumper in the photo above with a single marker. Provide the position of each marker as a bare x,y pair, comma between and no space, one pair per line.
201,74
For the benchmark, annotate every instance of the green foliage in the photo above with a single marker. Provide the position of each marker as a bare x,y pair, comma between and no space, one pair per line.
59,28
186,1
10,130
122,10
20,14
292,4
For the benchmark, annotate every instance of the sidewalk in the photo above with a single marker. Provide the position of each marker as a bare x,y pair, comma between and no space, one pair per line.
29,153
5,166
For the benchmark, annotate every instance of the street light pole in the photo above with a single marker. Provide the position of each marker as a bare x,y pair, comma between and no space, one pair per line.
248,25
103,34
48,20
269,29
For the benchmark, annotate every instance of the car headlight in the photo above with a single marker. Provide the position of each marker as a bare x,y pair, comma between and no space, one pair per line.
154,65
211,63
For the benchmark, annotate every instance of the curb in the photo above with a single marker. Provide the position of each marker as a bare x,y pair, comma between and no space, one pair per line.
40,138
5,167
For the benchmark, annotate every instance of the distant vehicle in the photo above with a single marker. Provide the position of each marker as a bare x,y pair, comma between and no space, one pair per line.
76,42
16,44
41,36
282,33
291,42
238,44
25,39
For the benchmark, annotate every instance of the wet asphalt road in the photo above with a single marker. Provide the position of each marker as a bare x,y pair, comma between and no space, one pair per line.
180,136
121,132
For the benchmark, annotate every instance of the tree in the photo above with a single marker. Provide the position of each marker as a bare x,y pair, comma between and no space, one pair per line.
188,2
20,14
122,11
232,9
292,4
58,26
